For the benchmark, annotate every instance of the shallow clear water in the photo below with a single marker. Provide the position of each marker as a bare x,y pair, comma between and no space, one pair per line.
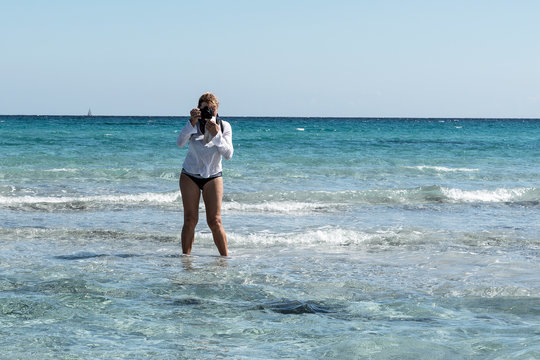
349,238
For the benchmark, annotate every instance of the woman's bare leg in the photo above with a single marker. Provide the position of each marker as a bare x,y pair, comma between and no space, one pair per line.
191,195
212,196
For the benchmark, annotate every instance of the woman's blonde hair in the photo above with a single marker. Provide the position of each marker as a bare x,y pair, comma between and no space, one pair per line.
210,99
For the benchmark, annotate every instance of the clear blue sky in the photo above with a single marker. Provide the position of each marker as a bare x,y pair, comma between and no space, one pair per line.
271,58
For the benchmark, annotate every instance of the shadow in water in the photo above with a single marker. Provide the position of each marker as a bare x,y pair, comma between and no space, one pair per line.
91,255
285,306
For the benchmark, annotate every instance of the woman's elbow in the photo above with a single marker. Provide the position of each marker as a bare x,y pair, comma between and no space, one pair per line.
228,154
180,143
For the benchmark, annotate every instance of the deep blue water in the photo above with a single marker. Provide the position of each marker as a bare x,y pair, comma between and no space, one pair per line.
349,238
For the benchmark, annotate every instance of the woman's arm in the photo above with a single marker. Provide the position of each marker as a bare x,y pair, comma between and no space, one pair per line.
223,141
185,134
190,128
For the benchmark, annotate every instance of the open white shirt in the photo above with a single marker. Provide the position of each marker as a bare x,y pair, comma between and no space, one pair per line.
204,159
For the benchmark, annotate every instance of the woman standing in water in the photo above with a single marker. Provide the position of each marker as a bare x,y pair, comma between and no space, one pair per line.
210,140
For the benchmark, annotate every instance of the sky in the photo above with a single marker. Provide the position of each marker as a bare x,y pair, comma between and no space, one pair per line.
271,58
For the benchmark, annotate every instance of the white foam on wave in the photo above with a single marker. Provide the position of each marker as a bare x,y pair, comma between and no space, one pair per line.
497,195
278,207
335,236
441,168
69,170
167,197
380,238
318,201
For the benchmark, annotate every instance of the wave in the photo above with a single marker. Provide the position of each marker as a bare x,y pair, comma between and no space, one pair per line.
519,195
68,170
440,168
379,238
52,203
327,235
282,207
323,201
92,174
82,235
285,202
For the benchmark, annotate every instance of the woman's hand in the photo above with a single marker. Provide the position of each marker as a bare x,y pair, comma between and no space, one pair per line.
195,116
212,127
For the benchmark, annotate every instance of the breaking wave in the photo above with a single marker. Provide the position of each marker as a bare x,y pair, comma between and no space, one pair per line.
381,238
285,201
323,201
440,168
52,203
389,237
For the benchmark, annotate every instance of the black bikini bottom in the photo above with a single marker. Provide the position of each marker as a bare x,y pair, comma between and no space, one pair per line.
199,180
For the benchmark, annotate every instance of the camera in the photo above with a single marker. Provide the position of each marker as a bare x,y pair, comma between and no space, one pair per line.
206,114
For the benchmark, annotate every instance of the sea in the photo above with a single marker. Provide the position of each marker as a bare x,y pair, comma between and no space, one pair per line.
349,238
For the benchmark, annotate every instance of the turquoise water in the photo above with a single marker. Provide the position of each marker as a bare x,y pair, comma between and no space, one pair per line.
349,238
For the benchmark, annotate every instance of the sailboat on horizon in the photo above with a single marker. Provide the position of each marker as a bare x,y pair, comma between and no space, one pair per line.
89,112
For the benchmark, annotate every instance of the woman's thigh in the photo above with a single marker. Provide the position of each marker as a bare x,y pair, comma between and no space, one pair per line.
212,196
191,195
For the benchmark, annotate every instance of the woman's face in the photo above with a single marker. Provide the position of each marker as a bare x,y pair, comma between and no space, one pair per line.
204,104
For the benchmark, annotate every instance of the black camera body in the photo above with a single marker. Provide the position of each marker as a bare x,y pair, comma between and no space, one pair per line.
206,114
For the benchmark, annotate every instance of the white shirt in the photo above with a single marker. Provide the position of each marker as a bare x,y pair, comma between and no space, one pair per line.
204,159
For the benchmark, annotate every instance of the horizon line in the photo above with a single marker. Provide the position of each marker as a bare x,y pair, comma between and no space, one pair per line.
286,116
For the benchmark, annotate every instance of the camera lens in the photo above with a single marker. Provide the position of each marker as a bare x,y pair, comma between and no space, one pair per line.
206,113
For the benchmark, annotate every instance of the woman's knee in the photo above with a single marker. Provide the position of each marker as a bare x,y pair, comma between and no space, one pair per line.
214,222
191,220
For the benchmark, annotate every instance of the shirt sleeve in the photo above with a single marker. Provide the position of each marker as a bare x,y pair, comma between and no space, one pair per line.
223,141
185,134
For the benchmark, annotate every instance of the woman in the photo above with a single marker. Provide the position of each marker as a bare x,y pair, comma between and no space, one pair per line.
210,139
